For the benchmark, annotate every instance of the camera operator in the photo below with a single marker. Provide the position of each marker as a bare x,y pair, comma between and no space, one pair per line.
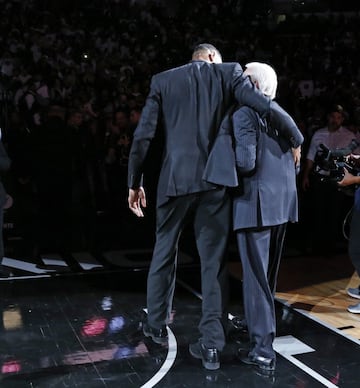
354,240
325,205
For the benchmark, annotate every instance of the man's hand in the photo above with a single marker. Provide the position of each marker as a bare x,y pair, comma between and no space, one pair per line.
305,183
296,155
136,200
348,179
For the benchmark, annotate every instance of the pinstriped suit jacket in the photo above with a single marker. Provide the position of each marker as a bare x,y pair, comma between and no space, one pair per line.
266,169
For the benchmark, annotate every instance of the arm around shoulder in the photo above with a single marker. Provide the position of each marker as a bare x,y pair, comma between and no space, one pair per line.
245,137
247,94
285,124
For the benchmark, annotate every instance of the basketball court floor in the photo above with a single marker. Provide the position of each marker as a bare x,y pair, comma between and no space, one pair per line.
66,328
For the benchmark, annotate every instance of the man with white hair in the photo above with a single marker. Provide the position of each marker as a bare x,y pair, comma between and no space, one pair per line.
265,203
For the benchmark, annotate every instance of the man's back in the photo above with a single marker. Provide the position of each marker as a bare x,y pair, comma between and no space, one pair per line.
264,160
195,98
191,101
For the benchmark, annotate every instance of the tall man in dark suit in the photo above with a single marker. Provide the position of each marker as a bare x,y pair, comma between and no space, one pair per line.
189,102
261,210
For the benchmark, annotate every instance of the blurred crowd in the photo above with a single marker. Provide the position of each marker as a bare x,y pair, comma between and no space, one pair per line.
74,77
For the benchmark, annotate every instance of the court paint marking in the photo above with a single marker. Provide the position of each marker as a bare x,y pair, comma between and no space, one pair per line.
54,260
23,265
86,260
10,278
168,363
288,346
315,319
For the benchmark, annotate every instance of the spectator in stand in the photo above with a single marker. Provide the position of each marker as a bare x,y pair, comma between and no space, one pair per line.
118,148
51,155
82,206
4,166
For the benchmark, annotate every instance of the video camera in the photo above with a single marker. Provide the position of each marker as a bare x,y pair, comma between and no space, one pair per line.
334,162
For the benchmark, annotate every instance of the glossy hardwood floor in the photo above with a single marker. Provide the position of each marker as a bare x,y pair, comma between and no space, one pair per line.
327,302
75,321
316,286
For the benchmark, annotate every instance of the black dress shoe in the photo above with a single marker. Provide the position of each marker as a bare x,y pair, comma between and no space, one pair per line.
263,363
239,323
208,356
160,336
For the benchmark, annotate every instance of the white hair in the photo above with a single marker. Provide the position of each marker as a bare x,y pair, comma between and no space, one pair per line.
264,76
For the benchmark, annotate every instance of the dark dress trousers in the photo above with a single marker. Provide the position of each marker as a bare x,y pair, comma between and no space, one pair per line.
266,201
189,103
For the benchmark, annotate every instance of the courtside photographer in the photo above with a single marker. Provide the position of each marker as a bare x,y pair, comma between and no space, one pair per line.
352,180
326,204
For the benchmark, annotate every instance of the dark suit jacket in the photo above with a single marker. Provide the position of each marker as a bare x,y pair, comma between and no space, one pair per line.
189,101
265,164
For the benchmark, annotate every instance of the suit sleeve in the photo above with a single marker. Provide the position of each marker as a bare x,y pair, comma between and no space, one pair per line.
246,94
220,168
143,135
285,125
245,136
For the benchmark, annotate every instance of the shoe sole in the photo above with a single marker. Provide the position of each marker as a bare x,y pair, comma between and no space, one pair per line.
262,368
206,365
353,295
157,340
357,311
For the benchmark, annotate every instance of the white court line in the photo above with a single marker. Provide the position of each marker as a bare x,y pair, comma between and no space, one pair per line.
8,279
86,260
277,343
288,346
23,265
310,372
56,261
168,363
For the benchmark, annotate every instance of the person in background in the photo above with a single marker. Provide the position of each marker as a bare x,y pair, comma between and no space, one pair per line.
5,164
190,102
354,238
83,213
51,174
326,205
